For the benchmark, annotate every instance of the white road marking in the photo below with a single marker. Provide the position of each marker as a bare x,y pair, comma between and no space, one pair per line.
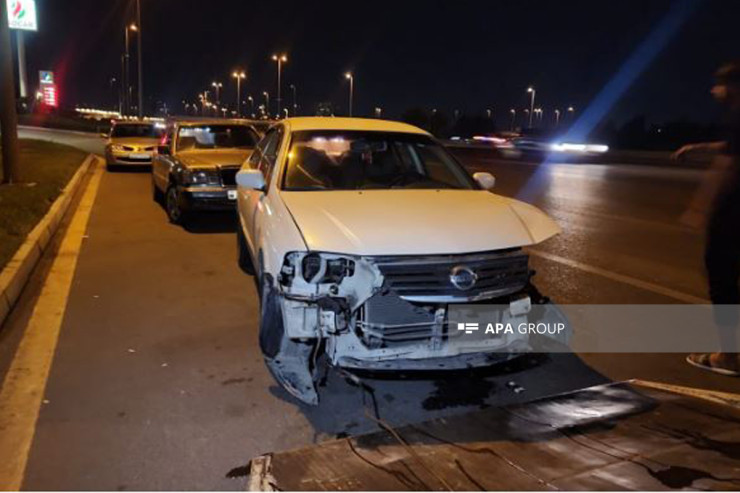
638,283
22,393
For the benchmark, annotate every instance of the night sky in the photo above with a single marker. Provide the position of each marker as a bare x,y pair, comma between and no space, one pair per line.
465,55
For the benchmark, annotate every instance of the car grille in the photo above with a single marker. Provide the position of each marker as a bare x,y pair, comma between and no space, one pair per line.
428,279
228,176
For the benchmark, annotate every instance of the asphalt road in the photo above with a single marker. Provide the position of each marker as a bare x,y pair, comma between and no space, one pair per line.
157,381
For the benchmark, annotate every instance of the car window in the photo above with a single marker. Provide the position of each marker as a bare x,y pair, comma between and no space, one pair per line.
121,130
216,136
355,160
269,153
254,158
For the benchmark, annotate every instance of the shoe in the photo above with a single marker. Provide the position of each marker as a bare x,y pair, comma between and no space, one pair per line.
704,361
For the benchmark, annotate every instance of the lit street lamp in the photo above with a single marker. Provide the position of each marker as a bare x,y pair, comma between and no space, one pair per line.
571,112
280,59
251,105
217,86
126,69
538,112
513,118
239,75
267,101
557,117
531,90
140,71
351,79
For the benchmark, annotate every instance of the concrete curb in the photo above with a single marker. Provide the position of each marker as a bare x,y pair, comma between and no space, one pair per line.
16,273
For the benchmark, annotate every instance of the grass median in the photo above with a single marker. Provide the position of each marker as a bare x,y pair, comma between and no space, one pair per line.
46,168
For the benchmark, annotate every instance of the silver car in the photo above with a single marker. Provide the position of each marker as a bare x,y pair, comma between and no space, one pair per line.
132,143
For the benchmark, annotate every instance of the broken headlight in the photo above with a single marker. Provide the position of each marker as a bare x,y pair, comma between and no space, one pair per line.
317,268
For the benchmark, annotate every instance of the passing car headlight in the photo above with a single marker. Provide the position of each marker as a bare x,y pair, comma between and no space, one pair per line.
201,177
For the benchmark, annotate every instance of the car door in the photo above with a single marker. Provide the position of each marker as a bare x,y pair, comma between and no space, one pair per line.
162,163
251,201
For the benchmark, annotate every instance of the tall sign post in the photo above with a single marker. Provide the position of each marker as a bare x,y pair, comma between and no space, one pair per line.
22,17
8,116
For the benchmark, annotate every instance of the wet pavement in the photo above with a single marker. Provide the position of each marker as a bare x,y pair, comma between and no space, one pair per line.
158,383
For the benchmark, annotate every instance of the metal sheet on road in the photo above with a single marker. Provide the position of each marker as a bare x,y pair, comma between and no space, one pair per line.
608,437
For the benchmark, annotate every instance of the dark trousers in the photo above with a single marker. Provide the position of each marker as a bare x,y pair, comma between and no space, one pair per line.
722,259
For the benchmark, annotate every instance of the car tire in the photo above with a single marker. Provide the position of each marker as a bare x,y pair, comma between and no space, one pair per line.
175,213
244,259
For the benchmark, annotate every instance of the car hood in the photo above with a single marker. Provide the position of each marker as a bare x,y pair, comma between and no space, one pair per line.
213,158
135,141
412,222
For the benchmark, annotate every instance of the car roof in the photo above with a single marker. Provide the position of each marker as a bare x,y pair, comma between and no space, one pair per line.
367,124
213,121
134,122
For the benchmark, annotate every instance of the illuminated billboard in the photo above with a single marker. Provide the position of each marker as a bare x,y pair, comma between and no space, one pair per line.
48,90
22,14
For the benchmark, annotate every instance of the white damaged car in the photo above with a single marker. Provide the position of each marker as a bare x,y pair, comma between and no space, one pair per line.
364,235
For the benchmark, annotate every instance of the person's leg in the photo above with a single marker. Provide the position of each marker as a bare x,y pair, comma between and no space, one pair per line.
722,260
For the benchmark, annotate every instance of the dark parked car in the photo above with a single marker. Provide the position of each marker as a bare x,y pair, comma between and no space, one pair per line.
196,164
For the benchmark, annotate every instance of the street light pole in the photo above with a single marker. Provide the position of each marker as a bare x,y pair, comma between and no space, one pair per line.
267,102
217,86
295,100
557,117
127,70
251,105
531,90
113,91
513,118
351,79
280,59
538,112
238,75
140,84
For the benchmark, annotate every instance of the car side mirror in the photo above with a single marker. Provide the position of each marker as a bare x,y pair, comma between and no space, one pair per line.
485,180
250,178
164,150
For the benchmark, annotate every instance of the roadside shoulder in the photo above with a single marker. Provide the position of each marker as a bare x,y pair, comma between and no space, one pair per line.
15,274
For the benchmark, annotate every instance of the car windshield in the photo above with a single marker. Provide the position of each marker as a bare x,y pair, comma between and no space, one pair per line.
216,137
354,160
137,130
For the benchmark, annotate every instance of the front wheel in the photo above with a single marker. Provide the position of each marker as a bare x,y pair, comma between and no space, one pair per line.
175,212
